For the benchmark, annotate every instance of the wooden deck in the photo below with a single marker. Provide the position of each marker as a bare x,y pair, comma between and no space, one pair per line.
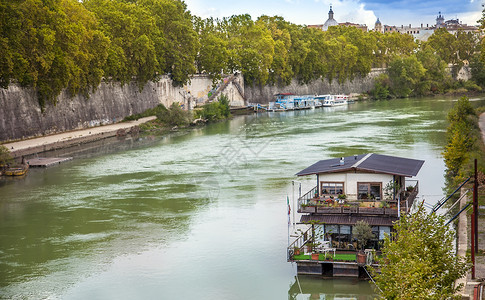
43,162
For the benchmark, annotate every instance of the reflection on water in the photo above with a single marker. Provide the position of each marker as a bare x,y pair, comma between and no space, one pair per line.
196,215
311,287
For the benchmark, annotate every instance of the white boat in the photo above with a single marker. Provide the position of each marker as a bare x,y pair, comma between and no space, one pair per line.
333,100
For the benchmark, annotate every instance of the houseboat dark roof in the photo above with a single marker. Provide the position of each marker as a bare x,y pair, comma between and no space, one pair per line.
348,219
374,163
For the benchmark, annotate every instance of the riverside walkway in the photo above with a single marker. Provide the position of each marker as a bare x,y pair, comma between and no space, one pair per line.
464,236
69,138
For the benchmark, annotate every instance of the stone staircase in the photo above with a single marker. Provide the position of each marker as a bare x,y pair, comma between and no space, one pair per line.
219,90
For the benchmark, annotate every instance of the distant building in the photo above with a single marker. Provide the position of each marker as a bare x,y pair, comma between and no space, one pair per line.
331,21
378,26
390,28
422,32
440,21
362,27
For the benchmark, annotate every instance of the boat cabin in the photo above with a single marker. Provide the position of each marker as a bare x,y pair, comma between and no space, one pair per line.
369,187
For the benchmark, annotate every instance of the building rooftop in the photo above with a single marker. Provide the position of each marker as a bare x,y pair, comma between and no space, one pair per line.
373,163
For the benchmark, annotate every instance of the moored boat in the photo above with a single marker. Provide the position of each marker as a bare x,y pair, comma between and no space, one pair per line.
333,100
17,171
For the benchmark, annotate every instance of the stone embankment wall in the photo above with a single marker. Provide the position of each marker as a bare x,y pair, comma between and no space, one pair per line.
21,116
264,94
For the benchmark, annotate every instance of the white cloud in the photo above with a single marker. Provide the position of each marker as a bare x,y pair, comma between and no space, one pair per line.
470,18
353,11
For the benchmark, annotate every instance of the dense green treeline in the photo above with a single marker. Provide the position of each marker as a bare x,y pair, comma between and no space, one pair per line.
464,143
56,44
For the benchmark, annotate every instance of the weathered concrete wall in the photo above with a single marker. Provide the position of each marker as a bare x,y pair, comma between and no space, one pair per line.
21,116
265,94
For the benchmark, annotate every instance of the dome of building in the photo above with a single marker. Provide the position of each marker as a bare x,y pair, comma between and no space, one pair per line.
331,21
378,22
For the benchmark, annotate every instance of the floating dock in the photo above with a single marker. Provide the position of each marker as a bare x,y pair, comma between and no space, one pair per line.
44,162
330,268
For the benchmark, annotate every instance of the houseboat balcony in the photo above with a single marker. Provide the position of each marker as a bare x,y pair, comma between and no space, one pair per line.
313,203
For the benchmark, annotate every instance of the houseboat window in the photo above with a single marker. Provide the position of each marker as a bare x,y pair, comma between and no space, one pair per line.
345,237
369,191
332,235
332,188
383,230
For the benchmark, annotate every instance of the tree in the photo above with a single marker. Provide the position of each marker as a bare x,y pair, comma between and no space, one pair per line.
477,66
418,260
250,48
212,55
132,33
363,233
177,40
50,46
381,87
405,74
216,110
461,137
280,70
5,156
444,44
174,116
436,76
482,42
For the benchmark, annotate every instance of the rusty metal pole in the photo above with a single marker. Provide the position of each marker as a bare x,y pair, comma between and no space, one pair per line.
473,245
475,206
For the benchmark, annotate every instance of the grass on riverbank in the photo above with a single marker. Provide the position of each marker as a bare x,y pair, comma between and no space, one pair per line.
175,116
337,257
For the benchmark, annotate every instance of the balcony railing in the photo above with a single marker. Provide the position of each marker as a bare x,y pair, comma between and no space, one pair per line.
312,203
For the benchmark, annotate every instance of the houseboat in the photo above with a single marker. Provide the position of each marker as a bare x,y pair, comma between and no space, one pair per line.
284,101
367,188
333,100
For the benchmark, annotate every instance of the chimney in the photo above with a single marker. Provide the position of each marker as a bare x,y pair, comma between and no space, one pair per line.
355,156
427,25
421,25
409,25
342,161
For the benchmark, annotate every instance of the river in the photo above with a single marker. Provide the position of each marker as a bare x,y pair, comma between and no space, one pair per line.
201,214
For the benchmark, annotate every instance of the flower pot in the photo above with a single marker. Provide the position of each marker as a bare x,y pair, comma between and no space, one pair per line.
315,256
361,258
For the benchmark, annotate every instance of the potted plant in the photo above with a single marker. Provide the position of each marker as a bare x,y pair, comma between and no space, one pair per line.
296,250
362,233
317,236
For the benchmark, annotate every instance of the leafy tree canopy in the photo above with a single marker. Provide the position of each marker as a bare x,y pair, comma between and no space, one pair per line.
418,259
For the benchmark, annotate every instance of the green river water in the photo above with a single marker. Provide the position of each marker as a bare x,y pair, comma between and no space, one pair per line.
200,214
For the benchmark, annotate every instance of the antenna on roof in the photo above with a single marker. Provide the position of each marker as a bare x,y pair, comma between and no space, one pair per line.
342,161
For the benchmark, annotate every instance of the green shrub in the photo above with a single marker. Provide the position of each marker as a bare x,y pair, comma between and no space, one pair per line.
5,156
174,116
149,112
217,110
381,88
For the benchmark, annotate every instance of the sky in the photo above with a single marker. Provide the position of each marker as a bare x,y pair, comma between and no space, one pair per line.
312,12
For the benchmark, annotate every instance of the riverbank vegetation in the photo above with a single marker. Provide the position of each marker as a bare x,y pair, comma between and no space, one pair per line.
464,144
214,111
418,260
175,116
5,157
73,45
